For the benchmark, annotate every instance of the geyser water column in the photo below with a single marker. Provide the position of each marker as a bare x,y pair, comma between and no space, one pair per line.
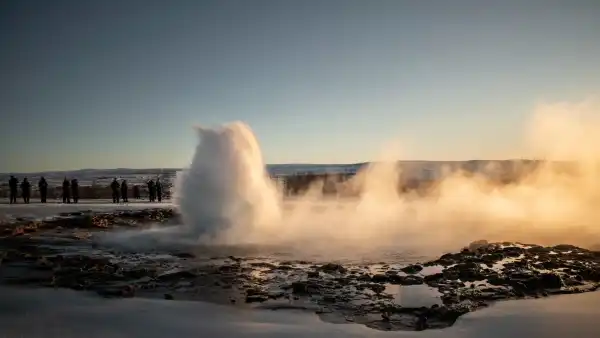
226,195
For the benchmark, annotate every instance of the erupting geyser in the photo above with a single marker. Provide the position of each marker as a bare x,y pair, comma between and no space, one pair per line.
226,191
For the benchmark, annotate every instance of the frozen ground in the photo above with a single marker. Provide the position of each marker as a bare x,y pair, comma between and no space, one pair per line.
65,314
40,211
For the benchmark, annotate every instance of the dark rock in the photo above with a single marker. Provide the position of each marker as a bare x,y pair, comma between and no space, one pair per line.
169,296
512,251
379,278
476,245
421,323
332,268
411,280
465,272
256,298
550,265
567,247
436,277
591,274
492,257
550,281
538,250
255,292
304,288
263,265
411,269
312,274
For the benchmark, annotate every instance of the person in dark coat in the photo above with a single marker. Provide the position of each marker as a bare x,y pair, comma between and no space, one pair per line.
66,191
158,189
124,191
136,192
151,191
114,186
13,185
75,190
43,187
25,190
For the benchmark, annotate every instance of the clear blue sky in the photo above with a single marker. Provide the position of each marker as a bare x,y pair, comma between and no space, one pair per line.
105,84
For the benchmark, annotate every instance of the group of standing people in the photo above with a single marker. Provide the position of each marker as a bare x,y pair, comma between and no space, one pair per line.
70,190
155,190
120,191
13,185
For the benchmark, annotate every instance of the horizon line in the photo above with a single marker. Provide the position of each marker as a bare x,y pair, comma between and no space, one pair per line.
275,164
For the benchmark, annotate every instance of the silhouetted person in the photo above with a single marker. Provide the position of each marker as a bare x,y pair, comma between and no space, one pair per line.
158,189
66,191
43,187
25,190
13,185
75,190
124,191
114,186
136,192
151,191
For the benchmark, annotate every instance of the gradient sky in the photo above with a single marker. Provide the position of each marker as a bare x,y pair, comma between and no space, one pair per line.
106,84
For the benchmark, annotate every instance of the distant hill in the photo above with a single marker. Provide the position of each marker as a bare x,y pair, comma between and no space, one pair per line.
416,167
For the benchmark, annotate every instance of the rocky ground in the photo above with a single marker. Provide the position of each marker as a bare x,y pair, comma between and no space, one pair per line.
62,252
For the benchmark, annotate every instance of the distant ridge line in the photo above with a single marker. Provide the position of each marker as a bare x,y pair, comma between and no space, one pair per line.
159,170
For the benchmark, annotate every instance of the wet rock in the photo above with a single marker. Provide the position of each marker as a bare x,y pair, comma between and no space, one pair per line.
263,265
332,268
379,278
591,274
304,288
256,298
312,274
412,280
169,296
550,281
464,272
405,280
476,245
412,269
512,251
421,323
436,277
538,250
566,247
492,257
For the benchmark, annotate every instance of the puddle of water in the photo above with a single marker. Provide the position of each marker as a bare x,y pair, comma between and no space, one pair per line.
414,295
431,270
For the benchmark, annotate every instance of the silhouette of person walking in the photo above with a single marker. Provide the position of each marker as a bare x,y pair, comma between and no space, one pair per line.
75,190
151,191
115,190
124,191
66,191
158,189
13,184
25,190
43,186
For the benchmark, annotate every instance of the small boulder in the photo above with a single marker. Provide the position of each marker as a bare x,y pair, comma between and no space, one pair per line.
412,269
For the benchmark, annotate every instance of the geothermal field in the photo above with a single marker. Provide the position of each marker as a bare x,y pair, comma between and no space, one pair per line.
380,259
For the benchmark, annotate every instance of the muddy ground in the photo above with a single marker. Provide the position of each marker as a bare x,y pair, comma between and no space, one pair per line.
62,252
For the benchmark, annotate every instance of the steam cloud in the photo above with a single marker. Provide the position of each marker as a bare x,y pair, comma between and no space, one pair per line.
226,197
